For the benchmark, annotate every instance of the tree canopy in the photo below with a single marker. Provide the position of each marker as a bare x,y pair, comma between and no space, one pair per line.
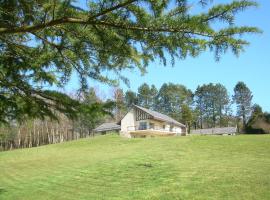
43,42
211,101
243,99
259,122
171,97
147,96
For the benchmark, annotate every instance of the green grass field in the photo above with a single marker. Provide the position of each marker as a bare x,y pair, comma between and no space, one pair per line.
110,167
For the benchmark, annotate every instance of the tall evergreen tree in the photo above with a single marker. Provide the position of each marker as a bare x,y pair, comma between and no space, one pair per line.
90,115
119,99
211,101
200,105
171,97
147,96
130,98
243,99
187,116
43,42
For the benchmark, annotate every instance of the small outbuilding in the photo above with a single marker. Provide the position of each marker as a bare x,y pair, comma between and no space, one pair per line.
107,127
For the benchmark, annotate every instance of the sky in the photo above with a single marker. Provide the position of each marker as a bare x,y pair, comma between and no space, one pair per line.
251,67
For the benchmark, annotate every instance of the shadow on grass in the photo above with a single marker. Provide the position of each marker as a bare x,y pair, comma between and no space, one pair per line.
145,164
2,190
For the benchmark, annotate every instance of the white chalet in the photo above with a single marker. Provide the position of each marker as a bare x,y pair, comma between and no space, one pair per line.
142,122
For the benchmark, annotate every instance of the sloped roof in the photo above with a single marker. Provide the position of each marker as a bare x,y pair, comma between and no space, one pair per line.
107,127
159,116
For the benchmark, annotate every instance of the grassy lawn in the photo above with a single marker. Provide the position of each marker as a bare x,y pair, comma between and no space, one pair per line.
110,167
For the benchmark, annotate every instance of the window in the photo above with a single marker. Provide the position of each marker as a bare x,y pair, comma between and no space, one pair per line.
143,126
152,126
164,126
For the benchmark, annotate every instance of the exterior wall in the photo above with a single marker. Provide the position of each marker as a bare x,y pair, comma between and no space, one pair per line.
159,125
127,123
177,129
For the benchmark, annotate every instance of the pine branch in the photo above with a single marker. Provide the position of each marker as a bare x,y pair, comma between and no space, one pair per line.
112,9
32,29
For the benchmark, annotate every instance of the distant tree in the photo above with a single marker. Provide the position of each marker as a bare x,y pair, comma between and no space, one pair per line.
154,93
259,122
256,111
43,42
171,97
187,116
196,121
90,116
130,98
243,99
199,97
147,95
211,101
228,118
222,102
120,107
90,96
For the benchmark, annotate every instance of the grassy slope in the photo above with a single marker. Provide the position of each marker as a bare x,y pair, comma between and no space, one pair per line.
109,167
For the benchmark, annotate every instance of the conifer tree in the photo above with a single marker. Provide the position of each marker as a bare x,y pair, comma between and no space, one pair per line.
243,99
43,42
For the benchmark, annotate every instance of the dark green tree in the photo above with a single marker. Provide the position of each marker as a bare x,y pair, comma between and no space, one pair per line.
187,116
43,42
130,98
259,122
222,102
90,114
256,111
212,100
243,99
171,97
200,105
147,95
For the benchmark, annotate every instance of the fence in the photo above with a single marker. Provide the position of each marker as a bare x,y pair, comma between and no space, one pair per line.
215,131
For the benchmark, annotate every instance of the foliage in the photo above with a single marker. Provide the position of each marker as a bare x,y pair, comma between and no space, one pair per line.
211,101
43,42
92,111
187,116
259,122
130,99
243,99
120,107
110,167
171,97
147,96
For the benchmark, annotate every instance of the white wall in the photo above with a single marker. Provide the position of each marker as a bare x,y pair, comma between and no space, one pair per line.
128,123
177,129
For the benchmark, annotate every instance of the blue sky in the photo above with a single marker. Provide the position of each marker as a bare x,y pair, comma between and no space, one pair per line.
252,66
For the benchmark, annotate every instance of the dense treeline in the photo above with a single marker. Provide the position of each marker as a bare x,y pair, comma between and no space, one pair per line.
210,105
36,132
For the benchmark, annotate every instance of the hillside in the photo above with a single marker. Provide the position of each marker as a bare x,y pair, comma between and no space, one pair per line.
110,167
